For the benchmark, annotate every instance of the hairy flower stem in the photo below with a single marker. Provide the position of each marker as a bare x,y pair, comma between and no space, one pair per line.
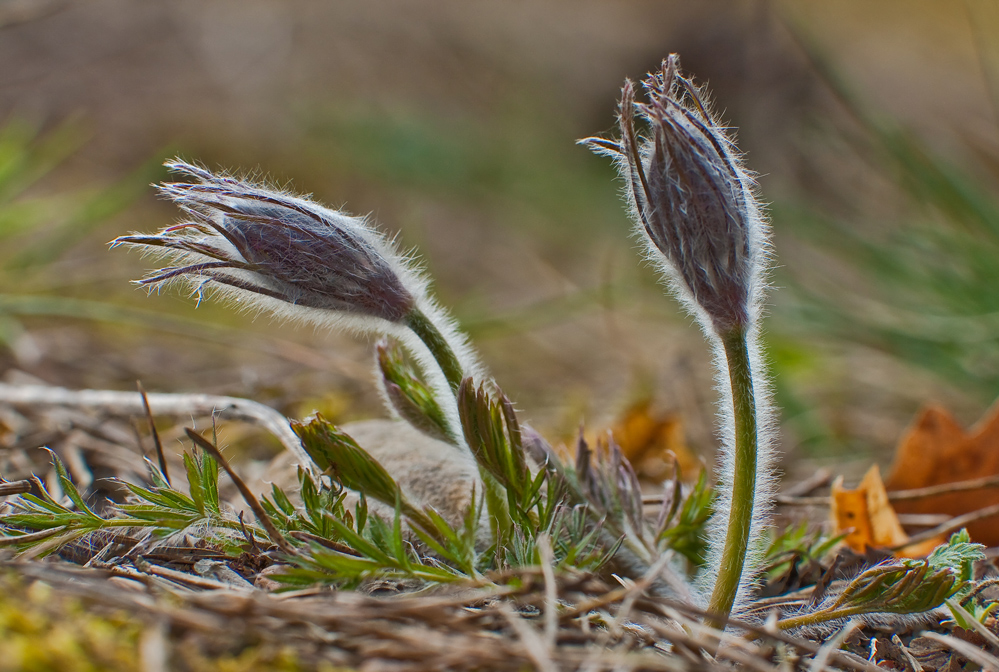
438,345
500,523
743,478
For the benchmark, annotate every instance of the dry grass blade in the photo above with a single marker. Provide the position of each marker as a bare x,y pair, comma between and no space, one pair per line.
769,633
820,478
821,659
636,590
975,624
547,557
536,647
34,536
187,579
969,651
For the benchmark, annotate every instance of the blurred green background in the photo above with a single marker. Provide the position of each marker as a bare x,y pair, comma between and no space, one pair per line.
872,123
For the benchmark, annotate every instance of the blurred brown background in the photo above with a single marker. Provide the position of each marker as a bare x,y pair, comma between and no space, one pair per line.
454,123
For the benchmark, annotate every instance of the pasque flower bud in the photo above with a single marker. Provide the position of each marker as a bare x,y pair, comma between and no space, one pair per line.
691,195
694,204
246,239
269,250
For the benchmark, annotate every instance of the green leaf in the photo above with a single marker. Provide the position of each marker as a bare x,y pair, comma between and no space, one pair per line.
958,554
337,453
281,501
409,395
688,536
905,587
69,487
194,483
334,451
210,480
493,434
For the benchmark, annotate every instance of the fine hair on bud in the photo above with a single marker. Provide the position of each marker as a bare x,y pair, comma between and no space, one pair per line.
267,250
697,213
692,198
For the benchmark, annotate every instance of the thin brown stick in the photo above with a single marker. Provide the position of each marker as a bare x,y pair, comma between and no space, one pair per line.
904,495
802,488
945,488
157,444
189,579
14,488
793,496
979,587
922,519
326,543
952,525
969,651
784,500
272,532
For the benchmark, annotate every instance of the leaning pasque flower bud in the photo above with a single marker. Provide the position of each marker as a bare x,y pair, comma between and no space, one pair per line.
690,194
269,250
245,239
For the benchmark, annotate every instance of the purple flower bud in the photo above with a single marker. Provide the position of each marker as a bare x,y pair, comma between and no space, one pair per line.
691,195
247,239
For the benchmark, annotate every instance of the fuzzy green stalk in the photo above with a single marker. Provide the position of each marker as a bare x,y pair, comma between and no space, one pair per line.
500,522
431,336
743,477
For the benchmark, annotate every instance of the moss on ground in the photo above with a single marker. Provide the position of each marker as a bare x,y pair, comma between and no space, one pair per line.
44,631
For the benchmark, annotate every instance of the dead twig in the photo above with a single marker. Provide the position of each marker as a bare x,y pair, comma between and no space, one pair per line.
157,444
944,489
184,405
793,496
784,500
789,499
14,488
802,488
954,524
187,579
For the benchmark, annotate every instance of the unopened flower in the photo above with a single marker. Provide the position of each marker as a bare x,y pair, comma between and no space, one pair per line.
691,196
694,203
269,250
254,242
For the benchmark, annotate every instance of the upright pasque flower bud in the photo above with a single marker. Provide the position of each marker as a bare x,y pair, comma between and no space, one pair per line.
695,205
247,240
691,195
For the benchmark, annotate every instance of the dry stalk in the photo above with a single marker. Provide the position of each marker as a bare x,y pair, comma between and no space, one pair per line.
183,405
952,525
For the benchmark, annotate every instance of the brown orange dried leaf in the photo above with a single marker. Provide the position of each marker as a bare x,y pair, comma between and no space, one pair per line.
867,513
651,441
936,450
